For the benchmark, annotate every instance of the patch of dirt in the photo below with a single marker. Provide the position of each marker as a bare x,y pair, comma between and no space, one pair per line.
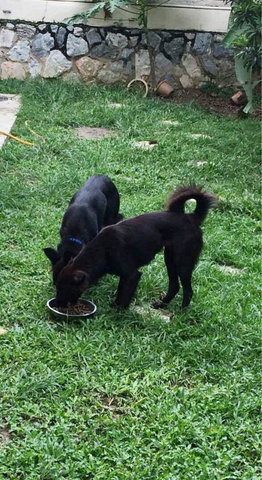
209,101
4,435
94,133
112,404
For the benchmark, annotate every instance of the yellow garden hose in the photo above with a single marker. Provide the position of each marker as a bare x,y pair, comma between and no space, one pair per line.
24,142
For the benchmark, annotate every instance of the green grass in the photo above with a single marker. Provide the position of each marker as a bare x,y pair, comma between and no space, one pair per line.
131,395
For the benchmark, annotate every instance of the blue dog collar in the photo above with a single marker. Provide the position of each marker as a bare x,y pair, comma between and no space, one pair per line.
75,240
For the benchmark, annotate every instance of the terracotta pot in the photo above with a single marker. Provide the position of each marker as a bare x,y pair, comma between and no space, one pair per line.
164,89
238,98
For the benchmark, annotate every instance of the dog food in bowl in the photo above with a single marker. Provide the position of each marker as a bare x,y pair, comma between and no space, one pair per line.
83,308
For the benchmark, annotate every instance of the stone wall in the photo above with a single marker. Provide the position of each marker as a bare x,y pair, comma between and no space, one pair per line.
112,55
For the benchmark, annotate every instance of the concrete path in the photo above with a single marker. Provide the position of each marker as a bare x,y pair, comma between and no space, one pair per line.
9,106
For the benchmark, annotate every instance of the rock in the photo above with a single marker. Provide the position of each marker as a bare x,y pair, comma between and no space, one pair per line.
191,66
93,37
7,37
129,70
126,53
25,31
162,63
202,43
10,26
88,68
42,27
132,42
142,63
13,70
143,41
178,71
221,52
102,32
174,48
70,77
42,44
20,51
70,28
134,31
117,67
103,50
186,81
78,32
107,77
218,37
154,40
226,72
190,36
76,46
34,68
116,40
166,35
53,28
208,65
56,64
60,36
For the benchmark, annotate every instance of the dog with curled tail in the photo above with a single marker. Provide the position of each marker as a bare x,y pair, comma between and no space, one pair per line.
123,248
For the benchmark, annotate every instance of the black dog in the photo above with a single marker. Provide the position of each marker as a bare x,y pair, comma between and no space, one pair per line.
93,207
121,249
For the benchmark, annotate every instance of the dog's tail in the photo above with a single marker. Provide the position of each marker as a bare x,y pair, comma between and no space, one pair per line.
204,201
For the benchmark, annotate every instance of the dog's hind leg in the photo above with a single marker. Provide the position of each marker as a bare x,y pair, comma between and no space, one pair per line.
172,276
126,289
185,275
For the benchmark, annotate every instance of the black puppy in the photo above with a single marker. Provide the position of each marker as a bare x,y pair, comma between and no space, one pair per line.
121,249
93,207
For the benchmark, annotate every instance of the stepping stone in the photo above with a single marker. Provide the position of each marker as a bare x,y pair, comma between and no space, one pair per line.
94,133
157,313
9,106
116,105
171,122
230,270
146,144
199,135
200,163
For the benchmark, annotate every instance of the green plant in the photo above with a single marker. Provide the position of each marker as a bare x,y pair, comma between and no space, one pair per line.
107,6
244,36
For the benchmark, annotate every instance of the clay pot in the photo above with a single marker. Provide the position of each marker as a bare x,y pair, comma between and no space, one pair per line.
238,98
164,89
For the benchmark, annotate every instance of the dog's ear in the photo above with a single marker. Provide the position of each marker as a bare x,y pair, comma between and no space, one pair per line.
79,277
52,254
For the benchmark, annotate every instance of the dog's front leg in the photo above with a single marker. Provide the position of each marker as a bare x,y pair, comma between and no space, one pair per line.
126,289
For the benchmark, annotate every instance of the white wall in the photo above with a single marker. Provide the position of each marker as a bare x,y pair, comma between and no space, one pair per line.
199,15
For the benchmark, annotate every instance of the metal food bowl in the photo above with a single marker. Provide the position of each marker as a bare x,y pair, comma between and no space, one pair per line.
51,303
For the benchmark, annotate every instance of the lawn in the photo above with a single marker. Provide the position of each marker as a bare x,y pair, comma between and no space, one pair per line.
141,395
